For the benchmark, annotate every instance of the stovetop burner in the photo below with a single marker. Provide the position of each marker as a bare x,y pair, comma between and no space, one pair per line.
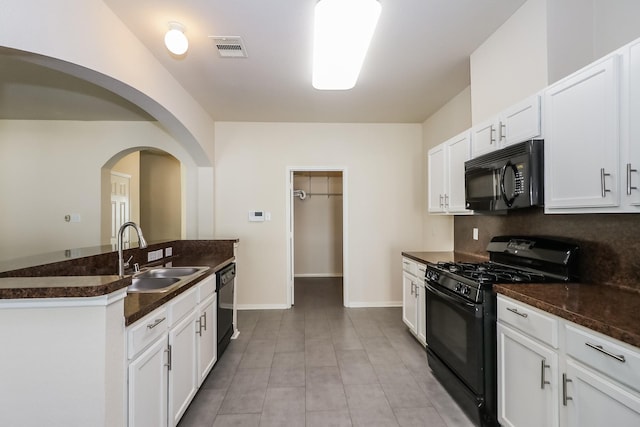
489,273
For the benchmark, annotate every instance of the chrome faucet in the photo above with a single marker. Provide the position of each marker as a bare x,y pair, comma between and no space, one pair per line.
143,244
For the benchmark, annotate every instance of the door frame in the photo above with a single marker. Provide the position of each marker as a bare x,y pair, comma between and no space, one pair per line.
289,231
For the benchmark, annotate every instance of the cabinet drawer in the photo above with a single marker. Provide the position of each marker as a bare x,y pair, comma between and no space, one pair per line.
182,305
409,266
145,331
421,271
530,320
206,287
604,354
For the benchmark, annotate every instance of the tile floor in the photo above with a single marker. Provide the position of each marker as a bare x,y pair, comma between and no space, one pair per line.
320,364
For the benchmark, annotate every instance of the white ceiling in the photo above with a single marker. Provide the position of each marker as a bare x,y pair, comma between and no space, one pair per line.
418,59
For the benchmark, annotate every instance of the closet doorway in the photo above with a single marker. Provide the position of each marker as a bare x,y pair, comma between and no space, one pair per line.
317,227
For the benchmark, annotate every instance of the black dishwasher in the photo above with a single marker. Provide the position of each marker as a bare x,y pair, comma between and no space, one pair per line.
224,288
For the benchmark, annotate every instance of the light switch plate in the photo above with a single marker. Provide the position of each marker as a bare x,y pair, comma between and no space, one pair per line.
475,234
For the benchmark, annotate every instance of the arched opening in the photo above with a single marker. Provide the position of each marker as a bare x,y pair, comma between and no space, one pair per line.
144,186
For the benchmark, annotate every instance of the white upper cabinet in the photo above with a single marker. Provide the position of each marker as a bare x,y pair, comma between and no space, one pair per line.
582,138
446,175
630,113
518,123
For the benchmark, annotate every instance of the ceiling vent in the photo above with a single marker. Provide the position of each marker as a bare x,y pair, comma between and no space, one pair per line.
230,47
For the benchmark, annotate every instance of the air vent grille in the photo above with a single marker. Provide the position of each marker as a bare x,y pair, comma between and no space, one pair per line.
229,47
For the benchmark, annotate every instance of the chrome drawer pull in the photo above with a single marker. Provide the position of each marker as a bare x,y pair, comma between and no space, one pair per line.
629,186
155,323
515,311
603,183
543,380
618,357
565,398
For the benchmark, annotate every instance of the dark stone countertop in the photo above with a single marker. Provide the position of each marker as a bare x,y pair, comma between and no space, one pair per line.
138,305
60,286
606,309
610,310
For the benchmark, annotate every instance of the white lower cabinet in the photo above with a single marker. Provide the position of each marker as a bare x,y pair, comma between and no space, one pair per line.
588,379
171,351
525,364
413,298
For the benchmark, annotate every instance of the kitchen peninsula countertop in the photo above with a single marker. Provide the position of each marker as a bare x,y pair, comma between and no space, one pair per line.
62,285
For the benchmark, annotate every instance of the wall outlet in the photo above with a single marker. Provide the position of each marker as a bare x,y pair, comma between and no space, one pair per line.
475,234
168,251
154,255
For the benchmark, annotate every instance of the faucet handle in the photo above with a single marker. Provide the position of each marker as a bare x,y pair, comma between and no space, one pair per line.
126,263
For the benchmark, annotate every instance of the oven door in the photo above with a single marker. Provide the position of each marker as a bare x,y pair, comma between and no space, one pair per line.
455,334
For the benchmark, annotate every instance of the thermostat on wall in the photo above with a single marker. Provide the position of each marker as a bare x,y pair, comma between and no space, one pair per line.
256,216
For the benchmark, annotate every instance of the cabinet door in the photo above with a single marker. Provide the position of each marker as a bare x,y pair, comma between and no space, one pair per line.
582,139
484,138
409,302
631,162
183,375
421,314
437,186
458,152
148,387
207,341
520,122
593,400
527,381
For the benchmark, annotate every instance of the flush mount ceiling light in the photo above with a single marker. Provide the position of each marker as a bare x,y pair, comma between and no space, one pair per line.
175,40
342,32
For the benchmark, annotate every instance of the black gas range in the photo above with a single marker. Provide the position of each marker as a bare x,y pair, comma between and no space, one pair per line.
461,313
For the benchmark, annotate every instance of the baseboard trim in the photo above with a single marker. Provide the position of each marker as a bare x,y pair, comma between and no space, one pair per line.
262,307
374,304
311,275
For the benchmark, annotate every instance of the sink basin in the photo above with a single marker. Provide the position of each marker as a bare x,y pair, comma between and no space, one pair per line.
152,284
164,279
170,272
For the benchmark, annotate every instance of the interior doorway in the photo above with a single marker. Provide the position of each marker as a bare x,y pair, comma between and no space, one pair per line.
316,227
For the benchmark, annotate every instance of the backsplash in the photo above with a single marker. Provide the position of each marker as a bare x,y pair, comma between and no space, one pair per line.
609,243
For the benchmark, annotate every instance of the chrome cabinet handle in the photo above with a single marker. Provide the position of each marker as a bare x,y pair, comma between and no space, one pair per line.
417,291
603,184
199,323
618,357
155,323
204,316
565,398
441,200
543,380
503,131
168,351
491,138
446,200
412,287
515,311
629,186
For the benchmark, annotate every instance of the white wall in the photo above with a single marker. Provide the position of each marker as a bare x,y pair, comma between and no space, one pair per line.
49,169
453,118
384,198
318,227
512,63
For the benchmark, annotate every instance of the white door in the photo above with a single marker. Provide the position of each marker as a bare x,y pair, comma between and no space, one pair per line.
484,138
527,381
290,239
582,139
437,184
183,375
148,387
207,341
120,202
594,401
409,301
520,122
458,152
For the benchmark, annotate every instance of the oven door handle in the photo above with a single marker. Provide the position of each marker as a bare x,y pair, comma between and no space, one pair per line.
465,304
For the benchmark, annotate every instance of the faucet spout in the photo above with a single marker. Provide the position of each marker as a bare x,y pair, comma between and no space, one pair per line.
141,239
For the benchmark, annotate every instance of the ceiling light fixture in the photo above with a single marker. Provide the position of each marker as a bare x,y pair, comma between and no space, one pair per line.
342,32
175,40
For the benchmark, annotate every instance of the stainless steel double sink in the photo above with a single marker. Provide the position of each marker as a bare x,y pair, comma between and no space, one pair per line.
164,279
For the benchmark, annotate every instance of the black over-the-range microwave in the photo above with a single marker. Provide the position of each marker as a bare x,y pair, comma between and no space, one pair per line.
509,178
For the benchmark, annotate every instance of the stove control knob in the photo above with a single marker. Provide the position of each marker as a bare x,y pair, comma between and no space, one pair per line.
458,287
466,290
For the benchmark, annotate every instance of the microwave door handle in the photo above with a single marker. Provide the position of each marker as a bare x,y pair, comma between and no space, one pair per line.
503,174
